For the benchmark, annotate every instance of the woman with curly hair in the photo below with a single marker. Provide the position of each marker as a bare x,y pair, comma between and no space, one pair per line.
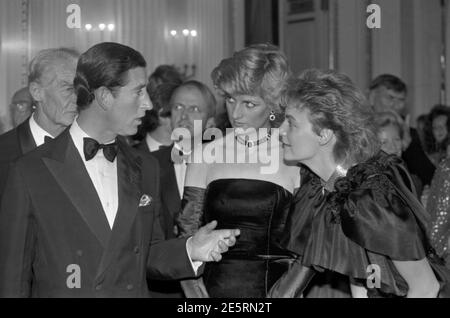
356,215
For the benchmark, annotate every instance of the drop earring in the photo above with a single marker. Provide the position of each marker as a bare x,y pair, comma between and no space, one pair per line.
272,116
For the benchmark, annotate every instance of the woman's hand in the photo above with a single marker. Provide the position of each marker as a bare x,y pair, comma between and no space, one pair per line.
420,277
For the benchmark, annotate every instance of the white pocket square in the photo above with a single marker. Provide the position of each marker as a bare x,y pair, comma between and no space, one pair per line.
145,200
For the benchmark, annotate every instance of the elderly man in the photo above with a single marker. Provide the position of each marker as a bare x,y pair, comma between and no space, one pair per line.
51,75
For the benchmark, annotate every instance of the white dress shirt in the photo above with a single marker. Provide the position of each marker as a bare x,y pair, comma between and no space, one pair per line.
152,144
180,169
180,172
102,172
38,132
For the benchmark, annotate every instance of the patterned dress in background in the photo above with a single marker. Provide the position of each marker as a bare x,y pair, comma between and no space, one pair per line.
438,205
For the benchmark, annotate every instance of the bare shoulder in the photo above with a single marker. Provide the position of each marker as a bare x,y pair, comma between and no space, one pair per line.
201,164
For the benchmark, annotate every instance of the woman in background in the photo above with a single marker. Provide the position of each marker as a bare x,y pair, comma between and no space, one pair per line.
437,133
390,136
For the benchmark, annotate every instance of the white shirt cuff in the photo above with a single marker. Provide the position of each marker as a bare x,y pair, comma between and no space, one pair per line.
195,265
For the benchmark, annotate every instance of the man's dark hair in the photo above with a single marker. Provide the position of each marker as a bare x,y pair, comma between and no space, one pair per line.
105,64
422,118
160,98
389,81
163,74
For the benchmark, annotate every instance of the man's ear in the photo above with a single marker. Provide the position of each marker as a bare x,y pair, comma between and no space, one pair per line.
36,91
104,98
210,123
326,135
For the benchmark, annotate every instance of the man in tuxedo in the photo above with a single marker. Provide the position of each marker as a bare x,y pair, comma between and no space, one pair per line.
189,102
51,75
80,215
388,93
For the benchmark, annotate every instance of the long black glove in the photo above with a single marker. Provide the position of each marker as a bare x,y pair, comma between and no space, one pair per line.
190,219
293,282
188,223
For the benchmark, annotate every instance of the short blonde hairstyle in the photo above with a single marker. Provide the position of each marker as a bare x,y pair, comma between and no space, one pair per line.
388,119
258,70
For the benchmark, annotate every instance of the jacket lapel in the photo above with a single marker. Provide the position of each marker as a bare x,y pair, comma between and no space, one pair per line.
172,194
26,140
128,182
67,167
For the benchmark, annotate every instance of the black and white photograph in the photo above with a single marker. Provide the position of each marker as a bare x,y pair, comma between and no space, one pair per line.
234,152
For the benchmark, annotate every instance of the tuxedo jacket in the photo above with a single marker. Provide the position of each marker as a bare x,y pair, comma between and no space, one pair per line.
55,240
14,144
170,195
171,203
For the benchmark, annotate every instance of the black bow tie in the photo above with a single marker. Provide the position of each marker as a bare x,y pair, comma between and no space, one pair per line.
47,139
91,147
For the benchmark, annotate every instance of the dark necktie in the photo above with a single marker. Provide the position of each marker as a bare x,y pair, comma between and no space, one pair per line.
47,139
91,147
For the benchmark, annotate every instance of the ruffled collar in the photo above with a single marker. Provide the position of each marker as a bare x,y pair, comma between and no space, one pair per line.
337,189
338,173
359,173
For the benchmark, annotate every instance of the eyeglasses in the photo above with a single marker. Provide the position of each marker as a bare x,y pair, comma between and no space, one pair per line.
191,109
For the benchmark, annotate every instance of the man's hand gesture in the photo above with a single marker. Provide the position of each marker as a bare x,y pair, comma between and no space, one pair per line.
208,244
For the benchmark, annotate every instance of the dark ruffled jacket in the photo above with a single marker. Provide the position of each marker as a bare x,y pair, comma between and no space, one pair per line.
372,217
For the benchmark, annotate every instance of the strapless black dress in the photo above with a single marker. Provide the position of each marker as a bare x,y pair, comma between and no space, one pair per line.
259,209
